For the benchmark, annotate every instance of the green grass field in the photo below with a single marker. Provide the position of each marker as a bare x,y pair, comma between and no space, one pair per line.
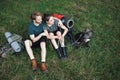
100,62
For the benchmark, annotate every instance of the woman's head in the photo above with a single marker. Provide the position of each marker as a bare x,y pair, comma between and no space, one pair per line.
37,17
49,19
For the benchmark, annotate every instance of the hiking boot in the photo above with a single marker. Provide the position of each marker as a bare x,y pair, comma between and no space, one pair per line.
43,67
64,52
34,64
58,53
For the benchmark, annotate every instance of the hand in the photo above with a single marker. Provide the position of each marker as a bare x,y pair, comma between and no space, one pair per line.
60,23
43,34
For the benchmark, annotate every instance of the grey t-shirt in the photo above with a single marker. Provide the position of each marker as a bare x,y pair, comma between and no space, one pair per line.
52,28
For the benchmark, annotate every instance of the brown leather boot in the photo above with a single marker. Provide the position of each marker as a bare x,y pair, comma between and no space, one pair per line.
43,67
34,64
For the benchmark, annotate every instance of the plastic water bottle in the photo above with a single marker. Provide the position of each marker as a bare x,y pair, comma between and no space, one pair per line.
14,44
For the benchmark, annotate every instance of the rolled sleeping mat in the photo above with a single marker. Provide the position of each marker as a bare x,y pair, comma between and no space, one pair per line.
14,44
68,22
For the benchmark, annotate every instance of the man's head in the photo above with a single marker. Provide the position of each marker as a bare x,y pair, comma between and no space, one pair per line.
37,17
49,19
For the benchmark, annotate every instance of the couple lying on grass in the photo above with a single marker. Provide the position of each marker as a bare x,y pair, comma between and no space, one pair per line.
40,29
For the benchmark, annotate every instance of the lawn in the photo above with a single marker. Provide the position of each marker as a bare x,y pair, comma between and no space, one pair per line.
100,62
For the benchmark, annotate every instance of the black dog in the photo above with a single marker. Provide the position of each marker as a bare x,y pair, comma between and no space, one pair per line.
83,38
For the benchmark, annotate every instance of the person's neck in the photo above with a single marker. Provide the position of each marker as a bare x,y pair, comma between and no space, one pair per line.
36,24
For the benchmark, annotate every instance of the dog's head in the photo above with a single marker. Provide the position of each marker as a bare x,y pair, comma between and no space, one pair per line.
88,34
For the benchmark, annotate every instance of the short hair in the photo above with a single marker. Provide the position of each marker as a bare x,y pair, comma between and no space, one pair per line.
47,17
34,14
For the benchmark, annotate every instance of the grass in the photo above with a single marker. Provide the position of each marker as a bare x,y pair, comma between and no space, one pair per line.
100,62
